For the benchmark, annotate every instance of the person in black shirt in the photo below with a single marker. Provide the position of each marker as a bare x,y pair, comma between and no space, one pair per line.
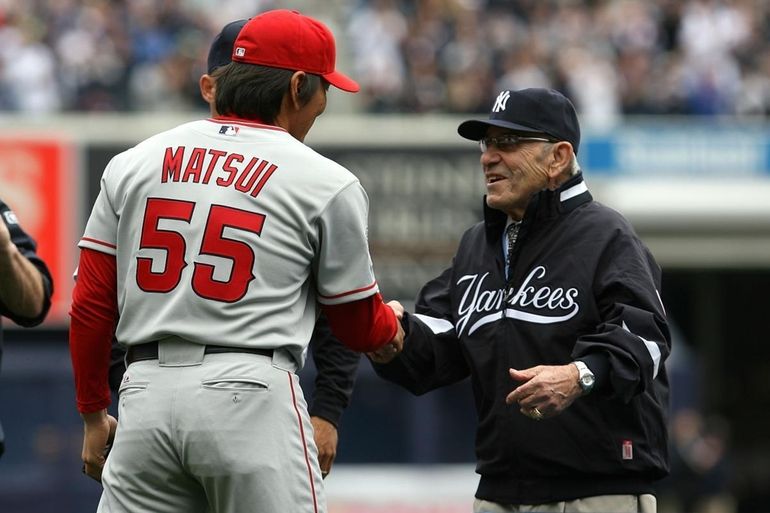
25,282
551,307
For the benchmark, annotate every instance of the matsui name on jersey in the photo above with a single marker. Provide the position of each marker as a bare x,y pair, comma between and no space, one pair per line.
204,165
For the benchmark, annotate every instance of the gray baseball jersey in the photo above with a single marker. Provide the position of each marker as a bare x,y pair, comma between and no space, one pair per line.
228,232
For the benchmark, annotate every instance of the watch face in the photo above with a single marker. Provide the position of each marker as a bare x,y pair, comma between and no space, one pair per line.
585,377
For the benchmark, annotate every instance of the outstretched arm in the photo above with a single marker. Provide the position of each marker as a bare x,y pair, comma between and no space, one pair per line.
367,324
431,356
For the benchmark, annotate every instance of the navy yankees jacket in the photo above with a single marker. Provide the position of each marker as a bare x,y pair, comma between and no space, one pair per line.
583,286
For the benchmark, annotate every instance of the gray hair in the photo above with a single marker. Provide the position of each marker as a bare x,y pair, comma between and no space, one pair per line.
574,166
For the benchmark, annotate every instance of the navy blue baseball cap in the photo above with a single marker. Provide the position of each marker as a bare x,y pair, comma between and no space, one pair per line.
533,111
221,51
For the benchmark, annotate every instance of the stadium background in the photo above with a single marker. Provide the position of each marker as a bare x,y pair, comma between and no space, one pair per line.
673,96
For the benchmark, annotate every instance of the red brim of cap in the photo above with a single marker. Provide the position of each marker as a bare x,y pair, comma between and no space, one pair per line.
341,81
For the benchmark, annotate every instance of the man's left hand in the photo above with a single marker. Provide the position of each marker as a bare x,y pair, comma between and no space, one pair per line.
544,391
325,436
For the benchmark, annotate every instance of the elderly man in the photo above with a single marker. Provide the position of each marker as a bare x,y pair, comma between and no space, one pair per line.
551,306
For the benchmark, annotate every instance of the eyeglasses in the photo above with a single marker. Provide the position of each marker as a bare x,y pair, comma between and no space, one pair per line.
507,142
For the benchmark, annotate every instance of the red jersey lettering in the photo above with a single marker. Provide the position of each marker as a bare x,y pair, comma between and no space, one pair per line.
172,164
245,181
228,168
195,165
215,156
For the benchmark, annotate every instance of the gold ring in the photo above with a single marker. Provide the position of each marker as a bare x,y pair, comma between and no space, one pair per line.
536,414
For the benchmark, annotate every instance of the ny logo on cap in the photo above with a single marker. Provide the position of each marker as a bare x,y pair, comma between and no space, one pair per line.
240,51
502,99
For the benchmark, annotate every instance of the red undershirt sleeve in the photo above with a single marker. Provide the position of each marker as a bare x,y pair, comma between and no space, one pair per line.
94,314
364,325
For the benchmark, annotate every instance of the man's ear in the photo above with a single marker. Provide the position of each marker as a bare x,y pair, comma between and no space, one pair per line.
561,156
559,164
207,85
297,80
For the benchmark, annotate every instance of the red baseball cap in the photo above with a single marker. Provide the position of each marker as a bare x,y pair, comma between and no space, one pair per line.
290,40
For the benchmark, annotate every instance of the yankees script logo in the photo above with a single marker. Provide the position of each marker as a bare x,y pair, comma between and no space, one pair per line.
553,304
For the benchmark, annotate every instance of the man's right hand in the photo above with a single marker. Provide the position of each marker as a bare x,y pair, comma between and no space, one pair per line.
98,434
389,351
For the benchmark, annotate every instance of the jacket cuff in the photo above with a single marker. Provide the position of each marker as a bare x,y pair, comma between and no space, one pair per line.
326,411
599,364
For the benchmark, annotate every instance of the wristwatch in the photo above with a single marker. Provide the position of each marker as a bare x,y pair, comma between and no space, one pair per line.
586,378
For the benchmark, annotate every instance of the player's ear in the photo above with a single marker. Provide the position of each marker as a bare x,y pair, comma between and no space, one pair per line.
295,87
207,85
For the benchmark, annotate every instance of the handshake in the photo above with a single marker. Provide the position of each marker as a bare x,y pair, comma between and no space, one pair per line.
389,351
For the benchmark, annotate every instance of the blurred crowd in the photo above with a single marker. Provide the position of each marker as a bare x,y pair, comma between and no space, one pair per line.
108,55
611,57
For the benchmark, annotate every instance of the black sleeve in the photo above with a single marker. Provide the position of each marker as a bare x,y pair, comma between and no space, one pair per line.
432,356
633,335
117,365
428,361
337,366
27,247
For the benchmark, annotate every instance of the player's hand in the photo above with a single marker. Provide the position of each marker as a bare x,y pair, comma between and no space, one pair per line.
397,308
98,434
325,436
544,391
389,351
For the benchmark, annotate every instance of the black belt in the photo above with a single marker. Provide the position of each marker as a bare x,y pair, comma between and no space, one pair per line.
149,351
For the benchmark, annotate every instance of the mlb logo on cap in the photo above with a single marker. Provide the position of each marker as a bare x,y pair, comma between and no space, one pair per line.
240,51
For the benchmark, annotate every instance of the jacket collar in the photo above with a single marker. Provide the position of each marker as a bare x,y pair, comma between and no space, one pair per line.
544,204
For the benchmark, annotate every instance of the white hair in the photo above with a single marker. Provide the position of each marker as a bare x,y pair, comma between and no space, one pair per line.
574,166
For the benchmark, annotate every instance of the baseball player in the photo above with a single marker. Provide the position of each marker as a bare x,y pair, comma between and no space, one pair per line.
25,282
211,245
335,364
